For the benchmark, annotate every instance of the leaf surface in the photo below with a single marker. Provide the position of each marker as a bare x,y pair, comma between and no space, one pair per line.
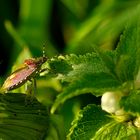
21,120
131,102
128,50
84,74
93,123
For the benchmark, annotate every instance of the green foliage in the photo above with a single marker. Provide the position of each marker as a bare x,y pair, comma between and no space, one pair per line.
90,31
115,130
102,26
90,119
88,74
19,120
98,72
95,124
131,102
128,47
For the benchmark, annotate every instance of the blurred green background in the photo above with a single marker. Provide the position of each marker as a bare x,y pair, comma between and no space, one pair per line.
65,26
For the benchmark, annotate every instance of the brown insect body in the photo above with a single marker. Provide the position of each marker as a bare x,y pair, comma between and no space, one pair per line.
20,76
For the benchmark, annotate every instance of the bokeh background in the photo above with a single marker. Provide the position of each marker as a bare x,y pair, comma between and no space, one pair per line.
66,26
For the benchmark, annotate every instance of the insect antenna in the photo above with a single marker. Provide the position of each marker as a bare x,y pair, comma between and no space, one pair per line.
44,50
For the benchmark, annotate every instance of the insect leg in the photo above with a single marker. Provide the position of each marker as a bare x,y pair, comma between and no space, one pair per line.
35,86
29,91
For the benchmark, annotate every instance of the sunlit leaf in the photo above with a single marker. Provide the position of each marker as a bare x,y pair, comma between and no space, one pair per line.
93,123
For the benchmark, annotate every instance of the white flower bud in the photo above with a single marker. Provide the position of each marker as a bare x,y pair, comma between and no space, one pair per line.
110,101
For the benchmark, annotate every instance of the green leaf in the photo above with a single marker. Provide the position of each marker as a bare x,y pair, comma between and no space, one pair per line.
85,74
115,131
98,72
90,120
60,66
85,64
128,50
109,58
96,84
93,123
131,102
21,120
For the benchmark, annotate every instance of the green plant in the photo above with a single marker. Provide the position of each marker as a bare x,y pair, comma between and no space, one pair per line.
93,91
98,72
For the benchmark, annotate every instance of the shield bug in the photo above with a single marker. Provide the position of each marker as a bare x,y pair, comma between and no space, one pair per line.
29,70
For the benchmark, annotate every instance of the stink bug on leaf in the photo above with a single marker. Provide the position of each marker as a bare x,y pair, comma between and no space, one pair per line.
28,71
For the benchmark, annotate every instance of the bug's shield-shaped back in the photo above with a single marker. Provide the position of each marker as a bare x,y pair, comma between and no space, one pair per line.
17,78
21,75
